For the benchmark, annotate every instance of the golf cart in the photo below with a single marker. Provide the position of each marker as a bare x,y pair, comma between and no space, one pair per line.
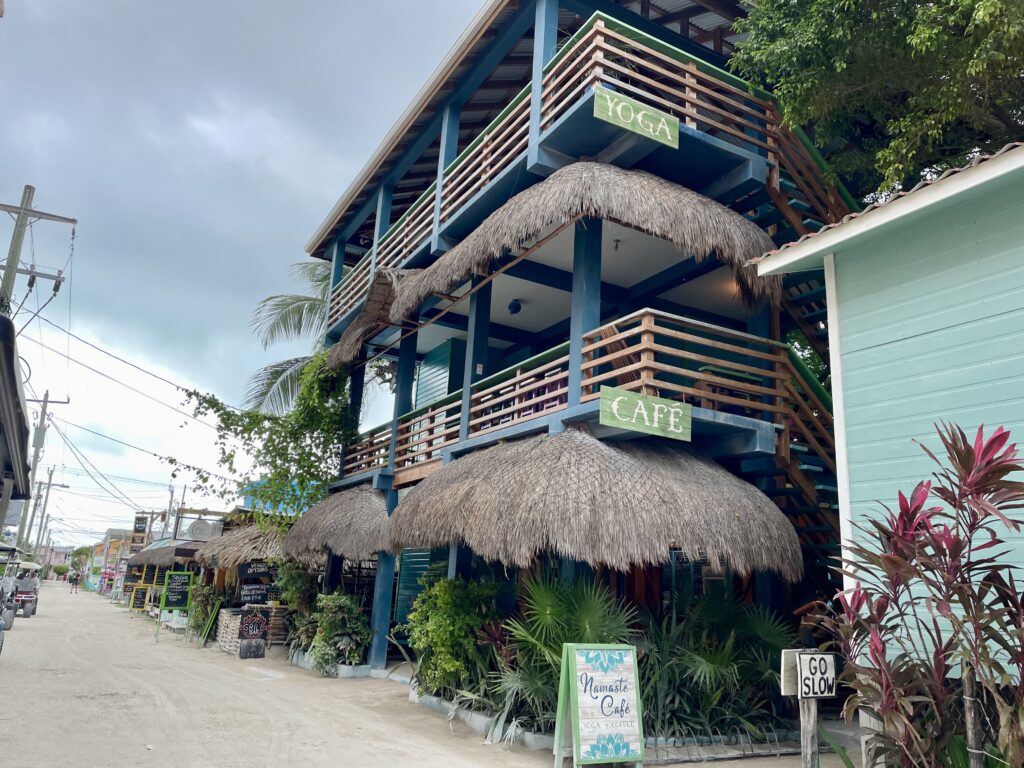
26,589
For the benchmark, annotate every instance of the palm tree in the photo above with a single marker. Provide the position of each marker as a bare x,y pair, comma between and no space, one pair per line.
289,317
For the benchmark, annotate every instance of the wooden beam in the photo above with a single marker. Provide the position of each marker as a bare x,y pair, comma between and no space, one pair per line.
724,8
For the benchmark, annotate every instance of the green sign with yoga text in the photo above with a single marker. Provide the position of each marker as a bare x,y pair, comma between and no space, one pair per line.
599,716
645,413
636,116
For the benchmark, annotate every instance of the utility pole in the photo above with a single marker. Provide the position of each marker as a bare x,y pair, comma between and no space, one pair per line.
14,252
44,521
38,438
20,543
46,500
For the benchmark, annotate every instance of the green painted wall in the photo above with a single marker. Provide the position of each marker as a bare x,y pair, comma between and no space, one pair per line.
440,372
931,328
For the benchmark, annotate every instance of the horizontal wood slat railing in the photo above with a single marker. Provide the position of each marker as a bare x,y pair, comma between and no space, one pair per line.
650,352
350,290
408,233
370,452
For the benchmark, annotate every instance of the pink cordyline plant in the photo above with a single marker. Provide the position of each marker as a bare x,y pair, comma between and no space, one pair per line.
932,634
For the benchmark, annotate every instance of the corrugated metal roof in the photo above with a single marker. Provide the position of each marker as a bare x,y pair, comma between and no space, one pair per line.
921,185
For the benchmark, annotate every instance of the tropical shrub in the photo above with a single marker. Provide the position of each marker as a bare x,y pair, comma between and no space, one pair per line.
933,633
302,628
297,585
342,635
712,663
203,598
552,613
442,630
60,570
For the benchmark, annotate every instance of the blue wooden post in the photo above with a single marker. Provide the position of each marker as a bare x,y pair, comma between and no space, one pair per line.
449,149
384,585
337,262
586,297
382,222
476,348
545,43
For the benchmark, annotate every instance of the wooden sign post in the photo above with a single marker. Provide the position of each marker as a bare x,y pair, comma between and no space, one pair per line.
808,675
599,712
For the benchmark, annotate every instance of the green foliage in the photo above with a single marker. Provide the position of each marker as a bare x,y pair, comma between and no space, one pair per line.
60,570
80,557
297,585
203,598
342,632
893,87
553,613
711,664
302,631
283,462
442,628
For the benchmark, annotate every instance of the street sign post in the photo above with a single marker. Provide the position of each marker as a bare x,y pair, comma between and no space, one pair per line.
808,675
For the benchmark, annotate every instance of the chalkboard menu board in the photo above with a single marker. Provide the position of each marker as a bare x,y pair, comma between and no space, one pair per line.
254,593
160,574
138,602
177,591
149,574
256,570
253,628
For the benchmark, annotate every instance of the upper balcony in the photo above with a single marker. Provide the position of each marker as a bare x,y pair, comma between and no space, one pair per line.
737,382
604,95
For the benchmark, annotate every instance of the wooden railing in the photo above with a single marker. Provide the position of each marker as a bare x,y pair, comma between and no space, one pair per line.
523,392
368,453
650,352
495,149
629,62
425,432
656,353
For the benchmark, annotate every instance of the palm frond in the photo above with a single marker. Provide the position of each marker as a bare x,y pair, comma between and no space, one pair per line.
289,317
273,388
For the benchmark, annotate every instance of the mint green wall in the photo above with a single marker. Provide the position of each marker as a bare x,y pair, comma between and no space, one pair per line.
932,328
440,372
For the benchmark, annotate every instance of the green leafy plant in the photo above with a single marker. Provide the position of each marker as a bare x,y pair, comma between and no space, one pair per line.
552,613
301,633
60,570
343,633
442,630
203,598
297,585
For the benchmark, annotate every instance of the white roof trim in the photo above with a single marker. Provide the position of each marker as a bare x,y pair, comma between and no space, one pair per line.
480,23
811,252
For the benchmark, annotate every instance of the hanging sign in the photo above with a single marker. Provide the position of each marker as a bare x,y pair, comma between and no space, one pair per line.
138,601
816,675
599,705
645,413
141,522
256,570
177,591
636,116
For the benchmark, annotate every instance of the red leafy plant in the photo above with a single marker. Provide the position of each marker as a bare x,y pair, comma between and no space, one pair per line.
932,634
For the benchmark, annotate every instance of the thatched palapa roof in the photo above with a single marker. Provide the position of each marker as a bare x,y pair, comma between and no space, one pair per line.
245,544
698,226
164,552
373,317
613,504
352,523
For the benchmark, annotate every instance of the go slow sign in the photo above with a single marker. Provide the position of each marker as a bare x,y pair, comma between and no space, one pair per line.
645,413
816,675
636,116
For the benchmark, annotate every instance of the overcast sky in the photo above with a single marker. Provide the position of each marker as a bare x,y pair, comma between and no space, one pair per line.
198,144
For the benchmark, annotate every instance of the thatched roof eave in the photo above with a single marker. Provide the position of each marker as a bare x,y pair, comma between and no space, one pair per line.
697,225
241,545
374,316
351,523
610,504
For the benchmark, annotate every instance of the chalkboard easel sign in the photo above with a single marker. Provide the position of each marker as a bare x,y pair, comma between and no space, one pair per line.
177,591
599,706
138,601
149,575
253,628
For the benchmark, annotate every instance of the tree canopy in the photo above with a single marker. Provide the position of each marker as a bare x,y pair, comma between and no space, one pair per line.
892,88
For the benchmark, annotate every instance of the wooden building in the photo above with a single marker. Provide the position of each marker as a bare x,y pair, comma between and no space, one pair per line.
572,203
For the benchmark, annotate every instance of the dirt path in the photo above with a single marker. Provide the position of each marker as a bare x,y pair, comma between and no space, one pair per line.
102,692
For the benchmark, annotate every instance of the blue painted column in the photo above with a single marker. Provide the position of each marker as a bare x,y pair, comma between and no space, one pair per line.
545,43
384,585
337,262
449,149
381,223
586,297
476,347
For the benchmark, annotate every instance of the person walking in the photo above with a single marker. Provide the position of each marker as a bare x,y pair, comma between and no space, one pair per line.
74,582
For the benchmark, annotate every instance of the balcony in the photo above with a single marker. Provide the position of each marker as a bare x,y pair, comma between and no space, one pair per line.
732,118
651,352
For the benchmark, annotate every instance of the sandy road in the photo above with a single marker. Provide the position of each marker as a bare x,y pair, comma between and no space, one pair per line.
84,684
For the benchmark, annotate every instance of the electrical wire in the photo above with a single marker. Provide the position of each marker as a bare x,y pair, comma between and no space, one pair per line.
123,384
82,459
36,313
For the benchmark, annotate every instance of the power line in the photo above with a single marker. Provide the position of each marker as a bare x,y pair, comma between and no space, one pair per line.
123,384
143,450
83,460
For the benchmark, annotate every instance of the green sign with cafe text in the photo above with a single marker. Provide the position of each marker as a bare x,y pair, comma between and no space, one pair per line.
645,413
636,116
